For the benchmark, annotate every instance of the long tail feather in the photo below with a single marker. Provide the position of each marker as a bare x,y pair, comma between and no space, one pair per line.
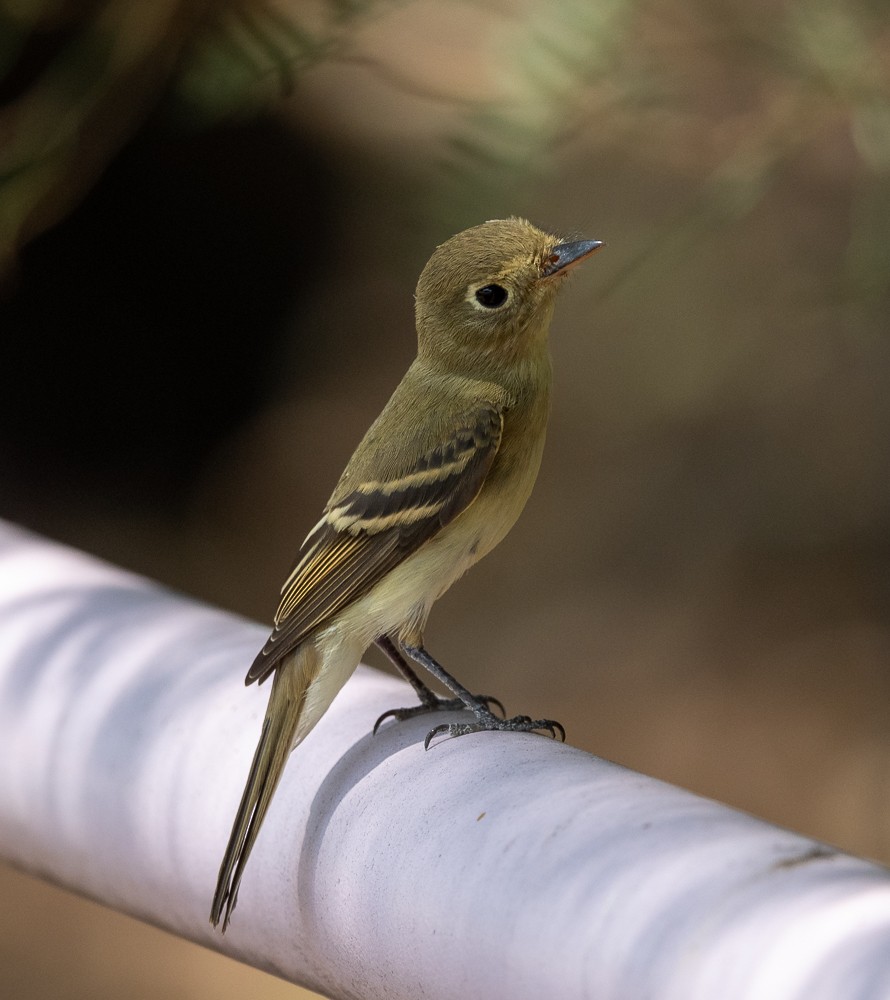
286,703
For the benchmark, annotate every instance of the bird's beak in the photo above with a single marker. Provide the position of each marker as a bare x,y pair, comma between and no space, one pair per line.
565,256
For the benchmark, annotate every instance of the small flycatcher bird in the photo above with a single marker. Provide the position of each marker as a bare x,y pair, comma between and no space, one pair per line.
438,480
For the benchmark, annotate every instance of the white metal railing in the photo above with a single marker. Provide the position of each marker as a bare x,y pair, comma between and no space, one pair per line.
495,865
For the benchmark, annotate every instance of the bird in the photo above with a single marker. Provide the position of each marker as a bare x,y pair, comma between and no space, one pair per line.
438,480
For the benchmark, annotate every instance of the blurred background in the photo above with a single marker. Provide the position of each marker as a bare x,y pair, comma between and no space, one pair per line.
212,218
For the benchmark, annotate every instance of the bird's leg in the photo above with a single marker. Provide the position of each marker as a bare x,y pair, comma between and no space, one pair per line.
485,719
430,701
392,651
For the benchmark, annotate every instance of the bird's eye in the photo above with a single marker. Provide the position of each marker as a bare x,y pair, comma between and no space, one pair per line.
491,296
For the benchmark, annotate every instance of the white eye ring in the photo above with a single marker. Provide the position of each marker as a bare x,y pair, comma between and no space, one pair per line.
489,297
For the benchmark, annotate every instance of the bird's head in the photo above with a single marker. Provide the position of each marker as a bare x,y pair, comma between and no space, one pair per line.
486,295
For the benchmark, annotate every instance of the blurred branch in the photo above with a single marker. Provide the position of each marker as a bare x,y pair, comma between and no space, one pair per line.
64,115
79,105
253,54
551,62
732,190
408,86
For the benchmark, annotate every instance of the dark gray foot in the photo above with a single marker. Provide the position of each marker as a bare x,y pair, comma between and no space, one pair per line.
437,704
480,706
485,721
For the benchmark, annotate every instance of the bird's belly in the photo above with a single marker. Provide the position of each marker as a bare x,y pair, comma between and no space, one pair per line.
401,601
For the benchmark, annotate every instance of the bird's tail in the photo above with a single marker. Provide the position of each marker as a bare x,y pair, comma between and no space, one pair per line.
286,703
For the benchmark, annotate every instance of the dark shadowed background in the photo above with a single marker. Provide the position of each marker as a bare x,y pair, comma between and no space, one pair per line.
212,218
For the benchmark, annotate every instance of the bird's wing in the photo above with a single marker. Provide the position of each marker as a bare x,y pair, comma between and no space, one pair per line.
368,532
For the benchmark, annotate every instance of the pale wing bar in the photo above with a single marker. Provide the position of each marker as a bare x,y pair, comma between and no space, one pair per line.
370,531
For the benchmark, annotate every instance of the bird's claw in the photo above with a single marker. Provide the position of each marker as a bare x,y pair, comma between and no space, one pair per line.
439,705
453,729
518,724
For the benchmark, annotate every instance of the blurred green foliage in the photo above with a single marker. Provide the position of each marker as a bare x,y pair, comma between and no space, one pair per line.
76,79
725,92
729,89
